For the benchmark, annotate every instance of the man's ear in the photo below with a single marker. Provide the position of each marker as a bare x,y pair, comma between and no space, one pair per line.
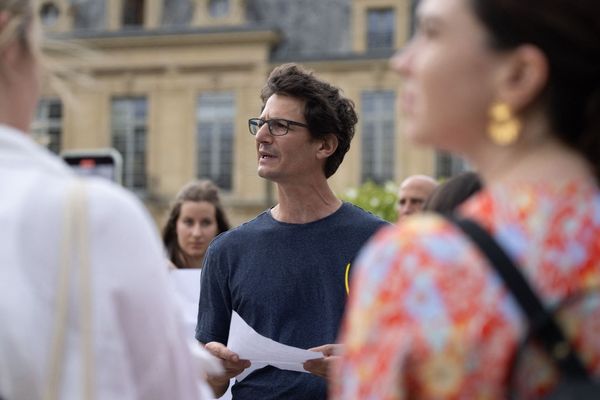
522,77
327,146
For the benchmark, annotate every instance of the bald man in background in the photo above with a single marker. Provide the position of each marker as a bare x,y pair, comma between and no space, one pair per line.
412,194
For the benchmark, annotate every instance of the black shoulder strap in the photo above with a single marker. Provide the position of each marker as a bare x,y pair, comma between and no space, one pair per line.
541,321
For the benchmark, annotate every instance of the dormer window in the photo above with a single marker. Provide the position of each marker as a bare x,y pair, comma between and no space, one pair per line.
49,14
380,25
218,8
133,13
218,12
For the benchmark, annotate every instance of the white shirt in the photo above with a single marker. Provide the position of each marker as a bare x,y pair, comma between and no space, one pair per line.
186,282
139,345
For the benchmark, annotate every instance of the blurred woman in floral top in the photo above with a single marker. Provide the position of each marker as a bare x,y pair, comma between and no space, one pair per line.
514,88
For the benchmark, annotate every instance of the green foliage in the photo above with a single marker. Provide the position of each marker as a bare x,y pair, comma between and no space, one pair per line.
377,199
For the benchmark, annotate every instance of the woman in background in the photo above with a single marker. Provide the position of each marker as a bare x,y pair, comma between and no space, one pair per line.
514,87
108,328
196,217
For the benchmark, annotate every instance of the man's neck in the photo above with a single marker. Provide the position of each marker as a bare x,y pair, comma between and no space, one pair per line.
304,204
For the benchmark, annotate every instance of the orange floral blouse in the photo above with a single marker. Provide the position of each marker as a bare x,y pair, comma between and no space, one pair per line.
428,318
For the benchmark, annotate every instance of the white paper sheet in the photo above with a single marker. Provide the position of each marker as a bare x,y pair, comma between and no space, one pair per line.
262,351
187,287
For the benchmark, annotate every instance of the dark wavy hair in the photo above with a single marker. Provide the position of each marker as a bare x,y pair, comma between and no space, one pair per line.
450,194
568,33
325,109
201,190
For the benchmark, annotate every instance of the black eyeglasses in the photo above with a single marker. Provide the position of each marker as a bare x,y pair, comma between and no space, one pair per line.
277,126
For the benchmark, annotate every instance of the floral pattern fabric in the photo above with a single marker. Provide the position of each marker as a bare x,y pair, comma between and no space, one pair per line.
428,318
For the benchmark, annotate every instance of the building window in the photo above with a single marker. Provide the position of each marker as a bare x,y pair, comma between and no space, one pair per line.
413,16
380,28
218,8
89,15
177,13
47,127
133,13
49,14
129,138
216,117
448,165
378,136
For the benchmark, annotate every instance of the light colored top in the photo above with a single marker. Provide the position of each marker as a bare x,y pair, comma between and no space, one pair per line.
139,346
430,319
187,286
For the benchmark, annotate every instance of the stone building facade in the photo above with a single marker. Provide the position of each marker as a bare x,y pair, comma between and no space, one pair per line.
171,84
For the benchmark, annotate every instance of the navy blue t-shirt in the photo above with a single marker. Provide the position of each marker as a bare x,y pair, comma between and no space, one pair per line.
287,281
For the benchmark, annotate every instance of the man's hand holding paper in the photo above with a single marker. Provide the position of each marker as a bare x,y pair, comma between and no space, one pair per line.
246,343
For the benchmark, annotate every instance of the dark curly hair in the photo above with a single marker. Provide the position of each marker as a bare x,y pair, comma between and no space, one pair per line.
568,33
201,190
325,109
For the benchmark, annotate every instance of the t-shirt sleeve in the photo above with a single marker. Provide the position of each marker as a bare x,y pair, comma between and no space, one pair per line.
214,307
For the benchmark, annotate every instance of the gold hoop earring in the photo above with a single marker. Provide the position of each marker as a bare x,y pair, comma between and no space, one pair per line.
504,128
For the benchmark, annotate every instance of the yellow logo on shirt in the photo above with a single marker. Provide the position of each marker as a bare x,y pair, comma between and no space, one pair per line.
347,276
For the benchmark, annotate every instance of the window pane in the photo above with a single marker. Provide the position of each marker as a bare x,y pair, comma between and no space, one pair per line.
140,109
378,133
216,116
88,15
177,13
218,8
47,127
54,110
129,138
448,165
49,14
380,28
133,13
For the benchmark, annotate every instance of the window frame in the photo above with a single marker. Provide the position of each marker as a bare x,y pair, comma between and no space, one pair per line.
378,159
219,112
131,152
139,11
375,36
44,123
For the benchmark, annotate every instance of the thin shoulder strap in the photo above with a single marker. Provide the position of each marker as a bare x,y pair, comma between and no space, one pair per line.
542,322
75,239
82,243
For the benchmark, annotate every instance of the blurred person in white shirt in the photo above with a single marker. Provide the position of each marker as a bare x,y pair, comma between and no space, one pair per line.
138,349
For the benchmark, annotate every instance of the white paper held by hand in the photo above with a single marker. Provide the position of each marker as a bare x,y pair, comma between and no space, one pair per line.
262,351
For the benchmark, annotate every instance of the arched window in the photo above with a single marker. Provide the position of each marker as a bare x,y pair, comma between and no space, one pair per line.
49,14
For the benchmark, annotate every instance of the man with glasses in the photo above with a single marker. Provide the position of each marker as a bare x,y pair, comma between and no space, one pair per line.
285,272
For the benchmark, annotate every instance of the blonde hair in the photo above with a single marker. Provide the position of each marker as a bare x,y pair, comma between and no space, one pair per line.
20,24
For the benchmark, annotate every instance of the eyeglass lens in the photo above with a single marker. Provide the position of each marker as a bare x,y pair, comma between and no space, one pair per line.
277,127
